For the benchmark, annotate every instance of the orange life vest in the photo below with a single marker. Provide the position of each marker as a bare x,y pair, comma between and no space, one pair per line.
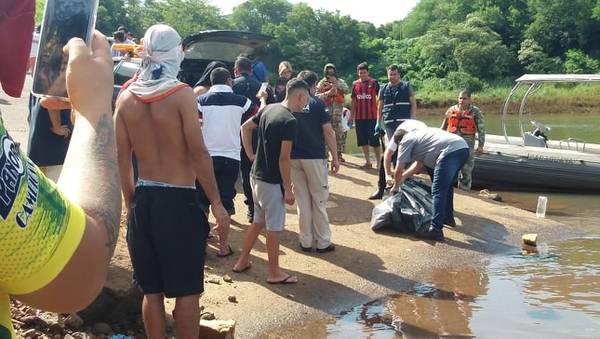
338,97
463,121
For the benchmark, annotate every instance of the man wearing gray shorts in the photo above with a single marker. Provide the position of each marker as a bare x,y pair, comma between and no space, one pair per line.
271,183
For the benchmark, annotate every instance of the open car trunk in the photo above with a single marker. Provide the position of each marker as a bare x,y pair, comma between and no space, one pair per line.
225,46
200,49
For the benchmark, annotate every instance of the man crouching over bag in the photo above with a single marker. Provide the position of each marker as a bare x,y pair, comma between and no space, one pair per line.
443,154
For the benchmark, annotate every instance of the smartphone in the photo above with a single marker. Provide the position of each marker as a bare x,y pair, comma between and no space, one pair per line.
63,20
263,87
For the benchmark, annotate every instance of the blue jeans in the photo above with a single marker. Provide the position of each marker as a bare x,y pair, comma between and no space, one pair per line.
442,190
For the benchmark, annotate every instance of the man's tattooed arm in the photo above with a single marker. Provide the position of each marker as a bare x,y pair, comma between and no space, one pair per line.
90,174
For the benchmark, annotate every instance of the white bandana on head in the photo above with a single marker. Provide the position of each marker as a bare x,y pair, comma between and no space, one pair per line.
161,60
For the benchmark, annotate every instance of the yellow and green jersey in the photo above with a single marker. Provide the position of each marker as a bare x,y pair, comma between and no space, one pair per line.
39,228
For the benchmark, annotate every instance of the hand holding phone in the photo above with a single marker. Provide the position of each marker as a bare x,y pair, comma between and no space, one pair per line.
262,91
85,63
263,87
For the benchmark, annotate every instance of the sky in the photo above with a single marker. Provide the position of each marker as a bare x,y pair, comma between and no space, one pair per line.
378,12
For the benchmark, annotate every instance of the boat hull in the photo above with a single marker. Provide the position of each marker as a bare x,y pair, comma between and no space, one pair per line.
536,172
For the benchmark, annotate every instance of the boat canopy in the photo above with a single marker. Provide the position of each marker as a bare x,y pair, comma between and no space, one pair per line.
532,78
533,82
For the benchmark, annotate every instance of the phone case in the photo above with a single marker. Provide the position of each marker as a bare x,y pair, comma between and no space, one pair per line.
63,20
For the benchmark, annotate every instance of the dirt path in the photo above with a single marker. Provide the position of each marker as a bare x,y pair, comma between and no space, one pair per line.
364,266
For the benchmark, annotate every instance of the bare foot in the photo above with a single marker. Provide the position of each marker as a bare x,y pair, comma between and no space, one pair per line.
282,278
225,252
240,267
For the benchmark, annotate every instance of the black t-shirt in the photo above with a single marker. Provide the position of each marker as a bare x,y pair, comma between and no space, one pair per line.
275,124
310,142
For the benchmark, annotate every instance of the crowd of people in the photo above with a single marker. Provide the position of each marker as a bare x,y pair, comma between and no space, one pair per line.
190,146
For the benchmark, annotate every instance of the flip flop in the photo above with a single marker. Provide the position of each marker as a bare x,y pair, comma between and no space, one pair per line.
243,269
285,281
230,252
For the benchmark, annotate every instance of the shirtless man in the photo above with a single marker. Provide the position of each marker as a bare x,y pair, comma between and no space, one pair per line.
157,118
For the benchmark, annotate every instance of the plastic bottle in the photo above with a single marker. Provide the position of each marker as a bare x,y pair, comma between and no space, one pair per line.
540,212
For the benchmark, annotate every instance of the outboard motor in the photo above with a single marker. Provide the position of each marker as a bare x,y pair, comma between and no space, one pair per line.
537,137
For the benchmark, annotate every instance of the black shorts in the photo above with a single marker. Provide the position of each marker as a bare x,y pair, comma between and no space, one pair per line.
166,237
226,174
365,133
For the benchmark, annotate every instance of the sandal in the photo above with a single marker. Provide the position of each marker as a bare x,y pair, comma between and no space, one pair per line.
290,279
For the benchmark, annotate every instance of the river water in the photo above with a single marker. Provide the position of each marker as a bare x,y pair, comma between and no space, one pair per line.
555,294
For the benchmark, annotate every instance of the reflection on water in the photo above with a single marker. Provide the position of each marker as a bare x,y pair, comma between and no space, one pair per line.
580,210
552,295
442,308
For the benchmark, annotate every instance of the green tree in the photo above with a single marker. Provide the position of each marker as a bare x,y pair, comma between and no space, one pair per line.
559,25
39,11
470,47
534,60
191,16
114,13
252,15
580,63
431,14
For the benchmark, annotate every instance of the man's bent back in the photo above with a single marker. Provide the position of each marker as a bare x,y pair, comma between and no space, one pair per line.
157,119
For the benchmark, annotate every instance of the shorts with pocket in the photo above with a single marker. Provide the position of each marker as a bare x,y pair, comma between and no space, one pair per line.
167,240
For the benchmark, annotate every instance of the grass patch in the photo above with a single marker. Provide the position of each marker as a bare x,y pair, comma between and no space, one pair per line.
557,97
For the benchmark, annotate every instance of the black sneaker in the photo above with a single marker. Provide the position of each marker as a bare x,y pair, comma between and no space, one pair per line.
430,233
329,248
250,216
305,249
376,195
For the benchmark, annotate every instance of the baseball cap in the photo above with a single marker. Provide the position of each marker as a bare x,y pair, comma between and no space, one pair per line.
16,33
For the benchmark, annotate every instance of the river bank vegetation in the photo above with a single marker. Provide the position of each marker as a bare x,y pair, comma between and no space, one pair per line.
441,45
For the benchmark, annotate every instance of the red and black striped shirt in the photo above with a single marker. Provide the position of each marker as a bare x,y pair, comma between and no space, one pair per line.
364,99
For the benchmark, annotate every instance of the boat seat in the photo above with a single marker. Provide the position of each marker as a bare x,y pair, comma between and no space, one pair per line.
529,139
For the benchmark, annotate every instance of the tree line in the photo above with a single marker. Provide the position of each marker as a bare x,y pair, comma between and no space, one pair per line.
441,43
